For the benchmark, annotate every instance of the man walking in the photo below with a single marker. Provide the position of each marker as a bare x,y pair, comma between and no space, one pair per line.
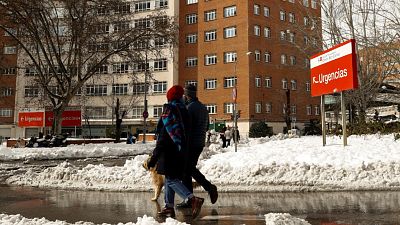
200,121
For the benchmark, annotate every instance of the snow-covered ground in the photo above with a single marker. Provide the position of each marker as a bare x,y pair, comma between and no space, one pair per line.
279,163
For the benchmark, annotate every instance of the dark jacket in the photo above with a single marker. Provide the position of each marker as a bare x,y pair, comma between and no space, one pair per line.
200,122
169,159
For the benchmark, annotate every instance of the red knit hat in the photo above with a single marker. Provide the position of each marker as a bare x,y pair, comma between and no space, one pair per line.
175,93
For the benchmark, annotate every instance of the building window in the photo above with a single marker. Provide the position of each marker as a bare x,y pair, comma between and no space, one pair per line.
282,15
267,32
8,71
292,18
283,59
306,40
284,84
258,107
228,107
191,38
191,18
161,4
258,81
230,57
292,60
309,110
210,35
189,2
267,57
160,42
191,61
293,84
210,59
284,109
191,82
230,82
314,4
120,67
268,107
257,30
257,55
293,109
256,9
102,29
160,65
210,84
31,91
210,15
229,32
283,35
306,21
157,110
137,112
306,63
291,37
230,11
308,86
10,50
317,110
96,112
305,3
212,109
268,82
140,88
160,87
120,89
266,11
142,6
96,90
6,112
6,91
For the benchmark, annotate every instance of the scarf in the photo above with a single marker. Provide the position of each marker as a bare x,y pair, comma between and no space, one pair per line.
171,119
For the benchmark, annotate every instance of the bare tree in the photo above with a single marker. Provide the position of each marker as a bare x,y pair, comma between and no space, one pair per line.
66,42
377,42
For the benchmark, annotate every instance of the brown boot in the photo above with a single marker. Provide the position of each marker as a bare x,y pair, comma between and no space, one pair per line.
196,206
167,212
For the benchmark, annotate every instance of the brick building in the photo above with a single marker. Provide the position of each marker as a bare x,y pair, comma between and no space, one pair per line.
262,47
8,70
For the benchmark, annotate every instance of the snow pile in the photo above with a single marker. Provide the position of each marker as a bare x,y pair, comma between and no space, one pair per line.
270,219
283,219
294,164
75,151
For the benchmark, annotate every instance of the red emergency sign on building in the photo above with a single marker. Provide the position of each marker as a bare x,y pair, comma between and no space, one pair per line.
334,70
70,118
30,119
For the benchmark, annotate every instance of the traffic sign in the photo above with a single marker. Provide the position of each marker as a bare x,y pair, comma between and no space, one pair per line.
145,114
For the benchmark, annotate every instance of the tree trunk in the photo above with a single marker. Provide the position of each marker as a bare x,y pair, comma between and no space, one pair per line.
118,122
56,127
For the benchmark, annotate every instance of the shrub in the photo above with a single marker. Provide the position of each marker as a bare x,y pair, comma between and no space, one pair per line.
260,129
312,128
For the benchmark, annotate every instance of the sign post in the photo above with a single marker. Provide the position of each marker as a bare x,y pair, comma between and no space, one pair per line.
333,71
235,118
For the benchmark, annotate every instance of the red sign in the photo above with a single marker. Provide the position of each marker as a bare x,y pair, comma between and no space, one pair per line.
30,119
70,118
334,70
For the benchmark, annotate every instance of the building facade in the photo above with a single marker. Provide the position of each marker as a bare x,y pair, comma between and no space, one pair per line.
260,48
8,71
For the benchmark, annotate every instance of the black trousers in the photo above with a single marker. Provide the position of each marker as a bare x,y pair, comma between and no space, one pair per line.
195,173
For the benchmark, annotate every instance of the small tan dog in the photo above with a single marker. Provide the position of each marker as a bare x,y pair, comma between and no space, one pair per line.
158,180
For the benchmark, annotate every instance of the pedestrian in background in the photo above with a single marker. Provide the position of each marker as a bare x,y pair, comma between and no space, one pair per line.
228,136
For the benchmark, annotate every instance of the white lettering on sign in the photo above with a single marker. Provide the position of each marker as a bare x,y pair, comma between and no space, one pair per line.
326,78
331,55
31,119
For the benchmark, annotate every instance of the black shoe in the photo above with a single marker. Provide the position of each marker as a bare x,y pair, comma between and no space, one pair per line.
213,193
184,204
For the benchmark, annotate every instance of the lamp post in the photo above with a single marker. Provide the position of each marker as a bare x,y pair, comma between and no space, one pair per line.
145,112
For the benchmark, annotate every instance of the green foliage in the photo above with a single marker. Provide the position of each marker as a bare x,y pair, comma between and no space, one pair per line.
397,136
373,127
260,129
312,128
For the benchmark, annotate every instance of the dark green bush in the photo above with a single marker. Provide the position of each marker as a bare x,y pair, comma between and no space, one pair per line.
312,128
373,127
260,129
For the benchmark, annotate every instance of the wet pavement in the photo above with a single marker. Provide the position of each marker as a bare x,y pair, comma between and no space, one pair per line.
350,208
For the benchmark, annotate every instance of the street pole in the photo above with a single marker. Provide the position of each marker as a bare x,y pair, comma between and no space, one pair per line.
234,95
323,120
145,113
343,119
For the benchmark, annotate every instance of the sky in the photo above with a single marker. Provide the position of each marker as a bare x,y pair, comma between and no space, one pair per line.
279,163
